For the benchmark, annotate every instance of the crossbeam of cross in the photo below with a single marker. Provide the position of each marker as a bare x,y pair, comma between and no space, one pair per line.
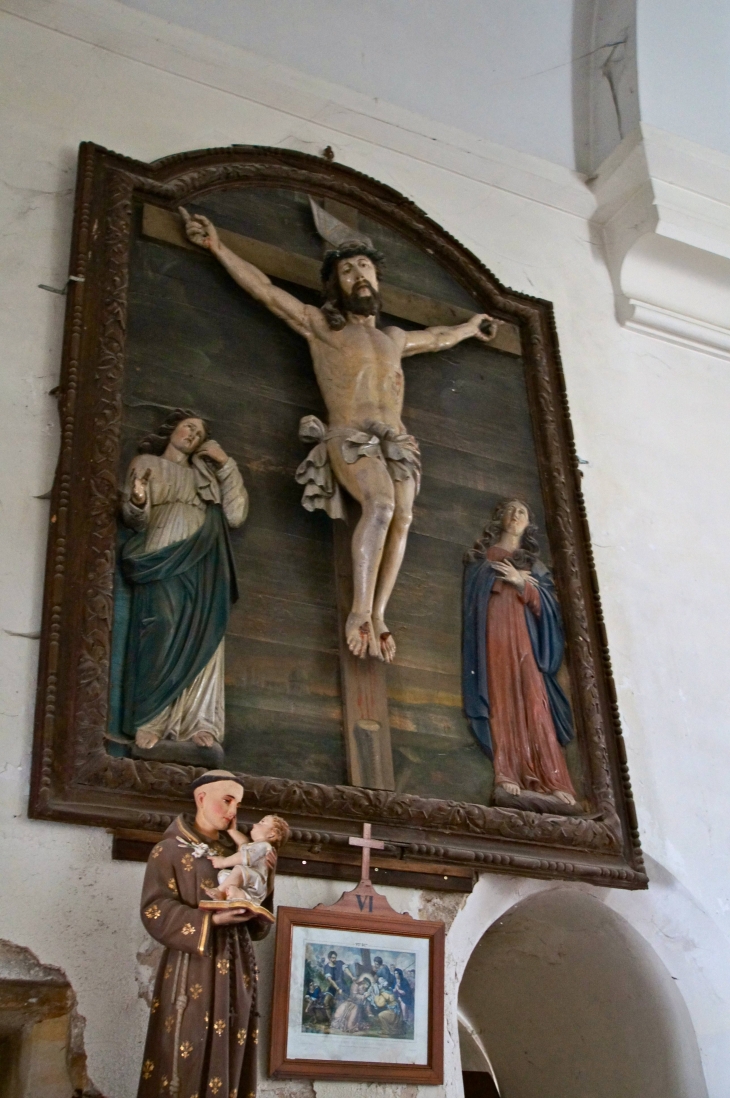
367,843
166,226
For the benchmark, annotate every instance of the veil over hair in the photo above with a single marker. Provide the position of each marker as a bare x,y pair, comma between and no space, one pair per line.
529,549
156,442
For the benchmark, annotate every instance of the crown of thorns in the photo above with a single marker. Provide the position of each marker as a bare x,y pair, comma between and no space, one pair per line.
347,251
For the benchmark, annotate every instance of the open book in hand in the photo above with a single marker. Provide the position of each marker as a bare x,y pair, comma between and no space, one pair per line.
240,905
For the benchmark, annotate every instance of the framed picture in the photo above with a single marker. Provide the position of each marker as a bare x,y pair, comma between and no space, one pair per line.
412,744
357,996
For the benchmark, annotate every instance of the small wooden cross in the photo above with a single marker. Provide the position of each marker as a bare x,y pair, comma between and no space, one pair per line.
367,845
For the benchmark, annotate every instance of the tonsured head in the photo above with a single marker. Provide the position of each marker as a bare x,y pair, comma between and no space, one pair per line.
217,797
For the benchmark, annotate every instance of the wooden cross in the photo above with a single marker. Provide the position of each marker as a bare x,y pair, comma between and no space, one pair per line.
363,899
364,686
367,845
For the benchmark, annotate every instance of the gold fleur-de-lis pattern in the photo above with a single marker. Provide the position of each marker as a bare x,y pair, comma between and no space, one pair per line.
215,1084
147,1068
223,965
233,1093
185,1049
187,862
241,1036
188,929
152,912
219,1027
172,885
246,980
155,1006
168,972
156,851
207,882
164,1082
196,991
169,1023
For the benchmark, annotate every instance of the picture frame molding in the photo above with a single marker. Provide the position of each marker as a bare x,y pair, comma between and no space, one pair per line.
75,779
330,918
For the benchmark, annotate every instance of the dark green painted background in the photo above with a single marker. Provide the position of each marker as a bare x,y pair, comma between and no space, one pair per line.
196,340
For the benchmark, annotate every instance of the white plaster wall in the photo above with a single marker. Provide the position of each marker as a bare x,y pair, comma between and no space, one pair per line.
684,78
499,70
650,419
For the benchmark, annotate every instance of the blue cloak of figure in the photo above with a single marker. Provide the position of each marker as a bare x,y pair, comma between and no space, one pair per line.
403,990
546,638
171,613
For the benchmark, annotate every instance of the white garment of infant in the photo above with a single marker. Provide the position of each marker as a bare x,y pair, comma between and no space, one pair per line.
255,871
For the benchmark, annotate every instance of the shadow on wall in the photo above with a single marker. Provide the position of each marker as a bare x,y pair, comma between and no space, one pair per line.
605,79
570,1001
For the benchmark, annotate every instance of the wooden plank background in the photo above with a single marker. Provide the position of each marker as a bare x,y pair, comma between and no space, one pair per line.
196,340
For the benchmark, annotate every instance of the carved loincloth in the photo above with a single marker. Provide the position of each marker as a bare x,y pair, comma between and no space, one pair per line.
399,452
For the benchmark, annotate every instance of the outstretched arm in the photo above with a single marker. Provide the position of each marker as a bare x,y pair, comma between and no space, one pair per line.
289,308
440,339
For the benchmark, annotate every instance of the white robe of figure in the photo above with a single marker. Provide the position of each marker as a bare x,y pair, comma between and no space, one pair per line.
177,496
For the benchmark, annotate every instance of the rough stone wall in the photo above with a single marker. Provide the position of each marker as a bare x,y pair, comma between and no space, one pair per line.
38,1005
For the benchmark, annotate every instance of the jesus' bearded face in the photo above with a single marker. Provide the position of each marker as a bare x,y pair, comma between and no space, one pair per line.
358,281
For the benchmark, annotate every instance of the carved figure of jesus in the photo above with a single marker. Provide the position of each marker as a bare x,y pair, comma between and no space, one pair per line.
358,368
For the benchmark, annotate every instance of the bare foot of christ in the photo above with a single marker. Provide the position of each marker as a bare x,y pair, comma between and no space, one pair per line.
360,636
385,640
512,788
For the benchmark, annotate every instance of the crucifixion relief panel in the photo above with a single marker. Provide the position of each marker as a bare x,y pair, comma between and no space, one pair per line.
317,519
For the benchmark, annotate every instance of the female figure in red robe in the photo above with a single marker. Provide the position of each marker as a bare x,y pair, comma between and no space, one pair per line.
513,648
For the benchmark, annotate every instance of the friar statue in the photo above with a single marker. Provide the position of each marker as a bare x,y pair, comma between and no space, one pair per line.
365,447
203,1027
181,494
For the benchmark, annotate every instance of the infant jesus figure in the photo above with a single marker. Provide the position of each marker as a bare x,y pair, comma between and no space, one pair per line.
243,878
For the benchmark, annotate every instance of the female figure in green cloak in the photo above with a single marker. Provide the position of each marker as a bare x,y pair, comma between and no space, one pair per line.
181,494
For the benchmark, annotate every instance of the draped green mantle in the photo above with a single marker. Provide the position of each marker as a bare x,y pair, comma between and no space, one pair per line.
181,597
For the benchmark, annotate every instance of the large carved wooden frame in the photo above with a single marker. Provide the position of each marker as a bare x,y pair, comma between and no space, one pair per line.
74,778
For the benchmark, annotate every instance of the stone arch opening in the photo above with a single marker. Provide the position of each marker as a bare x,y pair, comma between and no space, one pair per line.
569,1001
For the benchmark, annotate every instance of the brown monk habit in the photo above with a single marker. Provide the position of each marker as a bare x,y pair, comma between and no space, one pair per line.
203,1029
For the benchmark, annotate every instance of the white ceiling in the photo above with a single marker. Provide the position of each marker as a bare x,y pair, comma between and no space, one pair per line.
500,69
